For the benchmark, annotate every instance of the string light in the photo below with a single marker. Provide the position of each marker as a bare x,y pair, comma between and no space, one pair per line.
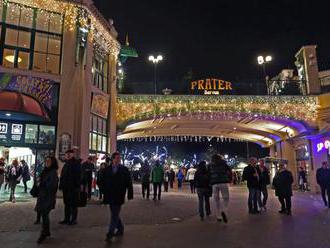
133,107
100,34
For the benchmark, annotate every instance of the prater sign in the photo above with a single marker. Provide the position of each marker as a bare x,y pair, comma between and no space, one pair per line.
211,86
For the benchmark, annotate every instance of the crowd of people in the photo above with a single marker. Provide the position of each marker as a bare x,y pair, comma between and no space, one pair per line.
209,180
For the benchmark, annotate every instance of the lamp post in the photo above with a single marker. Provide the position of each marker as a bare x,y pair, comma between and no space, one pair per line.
263,61
155,60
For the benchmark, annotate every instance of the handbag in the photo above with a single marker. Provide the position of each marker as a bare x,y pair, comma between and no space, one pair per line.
34,192
82,199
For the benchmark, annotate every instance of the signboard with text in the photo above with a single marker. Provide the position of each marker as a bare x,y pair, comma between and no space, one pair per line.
211,86
11,132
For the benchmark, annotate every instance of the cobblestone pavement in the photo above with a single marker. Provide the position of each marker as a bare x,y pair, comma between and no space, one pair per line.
173,222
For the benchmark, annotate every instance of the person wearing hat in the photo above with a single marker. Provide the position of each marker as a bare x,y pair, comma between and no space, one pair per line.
87,169
70,182
282,183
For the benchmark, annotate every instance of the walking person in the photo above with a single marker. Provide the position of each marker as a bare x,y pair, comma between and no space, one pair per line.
190,177
145,179
252,174
302,179
2,172
323,179
204,190
282,183
264,182
70,182
87,169
36,180
14,177
25,174
116,182
171,178
180,177
220,177
47,195
157,177
166,179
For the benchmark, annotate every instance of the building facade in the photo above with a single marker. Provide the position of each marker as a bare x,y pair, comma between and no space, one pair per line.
58,63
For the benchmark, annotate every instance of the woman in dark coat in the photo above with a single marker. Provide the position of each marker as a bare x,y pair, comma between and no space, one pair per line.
47,195
283,189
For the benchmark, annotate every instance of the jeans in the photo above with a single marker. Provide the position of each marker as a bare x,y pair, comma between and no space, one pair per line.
253,200
157,187
166,186
45,223
146,187
285,202
262,201
70,213
224,190
325,191
192,186
12,186
203,201
116,222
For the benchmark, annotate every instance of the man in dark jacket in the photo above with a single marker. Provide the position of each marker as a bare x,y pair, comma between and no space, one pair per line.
70,182
202,184
116,182
171,178
323,179
252,174
220,177
264,182
87,169
145,179
25,174
282,183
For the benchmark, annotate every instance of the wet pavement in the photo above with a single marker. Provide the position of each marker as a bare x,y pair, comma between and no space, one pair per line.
173,222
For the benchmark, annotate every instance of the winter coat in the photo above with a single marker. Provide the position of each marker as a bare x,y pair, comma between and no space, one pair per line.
70,182
26,173
180,176
157,175
14,173
191,174
116,185
323,177
2,173
87,172
145,173
220,173
264,178
202,179
253,181
282,183
47,191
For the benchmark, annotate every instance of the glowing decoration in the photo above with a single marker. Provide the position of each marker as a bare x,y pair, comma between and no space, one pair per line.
139,107
11,59
102,33
323,145
211,86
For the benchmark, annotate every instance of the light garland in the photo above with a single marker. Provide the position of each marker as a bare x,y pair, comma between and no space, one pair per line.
100,35
181,139
133,107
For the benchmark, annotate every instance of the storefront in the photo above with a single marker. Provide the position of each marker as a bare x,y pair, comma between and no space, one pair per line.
28,118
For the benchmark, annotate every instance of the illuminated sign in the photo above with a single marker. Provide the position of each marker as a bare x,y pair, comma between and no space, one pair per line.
211,86
323,145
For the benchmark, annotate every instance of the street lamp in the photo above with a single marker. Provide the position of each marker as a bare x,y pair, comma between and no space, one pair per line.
155,61
263,61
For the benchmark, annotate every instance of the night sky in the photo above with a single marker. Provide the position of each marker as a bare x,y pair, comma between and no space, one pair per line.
217,38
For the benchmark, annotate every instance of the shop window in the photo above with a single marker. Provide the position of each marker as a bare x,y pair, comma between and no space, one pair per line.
46,134
23,60
39,62
31,133
13,14
8,58
40,43
11,37
98,135
42,21
26,19
24,39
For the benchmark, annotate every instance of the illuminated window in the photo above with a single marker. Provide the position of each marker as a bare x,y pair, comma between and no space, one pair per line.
100,73
31,133
98,138
23,25
46,135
